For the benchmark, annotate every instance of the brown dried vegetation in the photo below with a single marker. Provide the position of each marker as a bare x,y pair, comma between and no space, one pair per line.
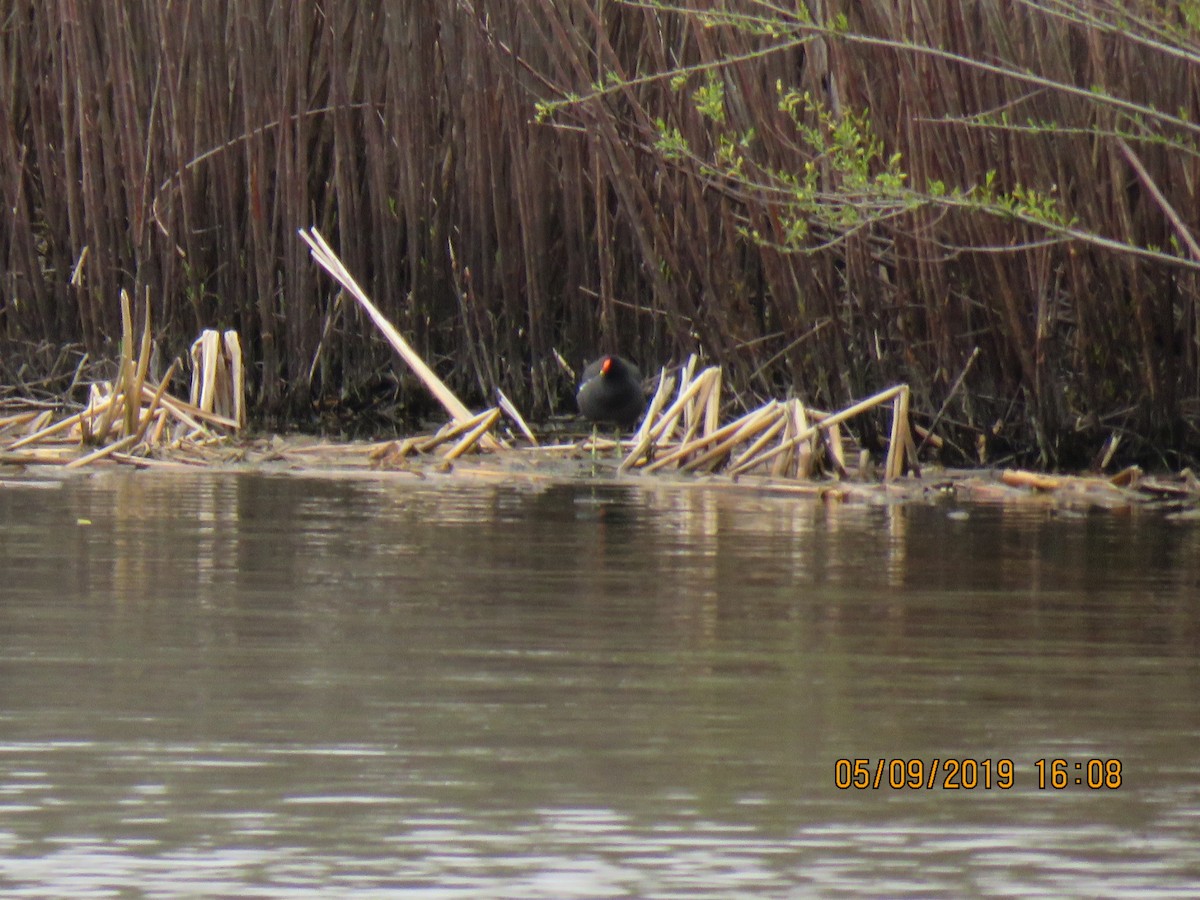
1035,281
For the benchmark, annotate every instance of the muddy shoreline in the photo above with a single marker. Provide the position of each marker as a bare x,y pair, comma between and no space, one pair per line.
576,461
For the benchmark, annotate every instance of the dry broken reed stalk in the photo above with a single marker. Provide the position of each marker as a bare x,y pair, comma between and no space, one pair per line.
129,415
218,378
778,437
658,428
452,430
486,421
465,434
513,413
21,420
328,260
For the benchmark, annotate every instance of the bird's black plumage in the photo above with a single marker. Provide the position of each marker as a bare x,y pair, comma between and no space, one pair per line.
611,392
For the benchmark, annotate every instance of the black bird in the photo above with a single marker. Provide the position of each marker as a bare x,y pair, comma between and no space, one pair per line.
611,392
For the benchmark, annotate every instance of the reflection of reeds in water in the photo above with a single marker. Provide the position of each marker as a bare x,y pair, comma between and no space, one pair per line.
131,416
783,439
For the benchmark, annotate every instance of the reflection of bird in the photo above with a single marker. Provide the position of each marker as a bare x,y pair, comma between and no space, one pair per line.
611,392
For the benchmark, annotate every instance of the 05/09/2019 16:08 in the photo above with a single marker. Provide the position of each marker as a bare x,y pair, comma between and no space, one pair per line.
965,773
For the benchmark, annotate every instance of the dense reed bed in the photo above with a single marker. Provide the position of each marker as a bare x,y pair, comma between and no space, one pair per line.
726,184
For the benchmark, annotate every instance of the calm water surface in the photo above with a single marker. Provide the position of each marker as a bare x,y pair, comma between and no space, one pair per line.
274,686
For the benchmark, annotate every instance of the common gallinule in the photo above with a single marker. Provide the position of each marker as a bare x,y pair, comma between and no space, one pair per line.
611,392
